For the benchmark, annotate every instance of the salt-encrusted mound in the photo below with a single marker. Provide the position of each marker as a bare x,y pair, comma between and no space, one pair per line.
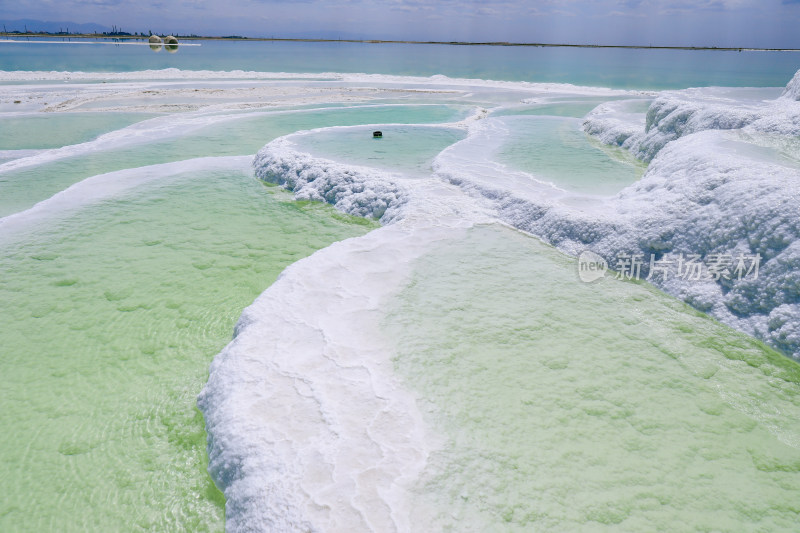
675,114
309,429
358,191
708,194
792,89
611,124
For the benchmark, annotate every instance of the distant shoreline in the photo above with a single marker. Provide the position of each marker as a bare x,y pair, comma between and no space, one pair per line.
382,41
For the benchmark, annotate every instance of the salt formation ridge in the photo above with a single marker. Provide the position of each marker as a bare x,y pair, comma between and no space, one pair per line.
358,191
792,90
710,192
676,114
317,435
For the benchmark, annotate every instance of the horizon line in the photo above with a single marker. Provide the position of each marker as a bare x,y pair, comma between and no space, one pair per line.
404,41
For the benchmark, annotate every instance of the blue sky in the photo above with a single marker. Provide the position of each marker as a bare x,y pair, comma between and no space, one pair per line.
765,23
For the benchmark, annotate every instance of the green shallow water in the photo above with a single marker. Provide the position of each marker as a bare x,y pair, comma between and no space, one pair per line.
409,149
54,130
110,320
23,188
575,109
588,407
557,151
571,107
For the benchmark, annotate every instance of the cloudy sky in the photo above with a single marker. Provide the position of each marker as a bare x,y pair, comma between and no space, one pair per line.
738,23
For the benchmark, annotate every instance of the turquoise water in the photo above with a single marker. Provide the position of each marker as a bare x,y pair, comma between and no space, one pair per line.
660,69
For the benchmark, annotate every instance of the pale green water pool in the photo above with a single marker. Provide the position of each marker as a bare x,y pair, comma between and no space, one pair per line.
575,109
588,407
557,151
53,130
409,149
110,320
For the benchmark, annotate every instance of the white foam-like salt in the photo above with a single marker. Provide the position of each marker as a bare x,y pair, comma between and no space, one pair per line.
358,191
309,429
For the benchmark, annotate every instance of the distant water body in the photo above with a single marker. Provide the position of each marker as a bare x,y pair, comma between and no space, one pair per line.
617,68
